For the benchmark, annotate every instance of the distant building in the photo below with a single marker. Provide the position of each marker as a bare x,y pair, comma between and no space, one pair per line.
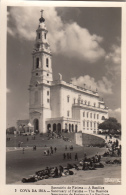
58,105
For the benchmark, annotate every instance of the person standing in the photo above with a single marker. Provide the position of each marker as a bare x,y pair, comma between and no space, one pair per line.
48,152
64,156
70,156
23,150
83,167
56,172
99,158
60,170
76,157
51,151
55,149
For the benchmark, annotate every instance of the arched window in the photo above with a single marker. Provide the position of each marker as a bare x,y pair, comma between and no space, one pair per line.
37,62
39,35
47,62
102,118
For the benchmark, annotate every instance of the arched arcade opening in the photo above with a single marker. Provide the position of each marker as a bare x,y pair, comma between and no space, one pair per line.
54,127
36,125
58,128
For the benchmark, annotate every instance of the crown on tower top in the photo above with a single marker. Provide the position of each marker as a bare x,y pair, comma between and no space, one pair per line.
42,19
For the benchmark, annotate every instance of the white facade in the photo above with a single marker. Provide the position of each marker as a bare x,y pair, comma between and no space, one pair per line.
58,105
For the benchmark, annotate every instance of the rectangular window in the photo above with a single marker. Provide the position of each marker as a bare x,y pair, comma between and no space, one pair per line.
68,113
91,124
47,92
94,125
87,114
97,116
94,116
45,35
48,100
68,98
87,124
83,114
83,123
91,115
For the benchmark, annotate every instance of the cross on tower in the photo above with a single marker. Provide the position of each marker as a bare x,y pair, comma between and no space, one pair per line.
42,13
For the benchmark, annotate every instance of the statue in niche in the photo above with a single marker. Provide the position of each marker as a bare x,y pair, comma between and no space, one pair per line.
60,76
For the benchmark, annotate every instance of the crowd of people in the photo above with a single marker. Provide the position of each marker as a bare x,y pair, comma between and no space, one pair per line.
114,148
50,151
59,171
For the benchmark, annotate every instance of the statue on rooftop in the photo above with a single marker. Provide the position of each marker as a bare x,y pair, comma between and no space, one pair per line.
60,76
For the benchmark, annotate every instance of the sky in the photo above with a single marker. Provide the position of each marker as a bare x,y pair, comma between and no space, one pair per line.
86,47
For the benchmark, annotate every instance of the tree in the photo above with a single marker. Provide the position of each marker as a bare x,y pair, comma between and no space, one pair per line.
111,124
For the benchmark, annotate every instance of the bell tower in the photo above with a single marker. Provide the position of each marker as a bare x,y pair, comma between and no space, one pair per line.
42,62
41,79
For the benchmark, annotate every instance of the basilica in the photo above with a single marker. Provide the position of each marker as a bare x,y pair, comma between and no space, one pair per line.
57,105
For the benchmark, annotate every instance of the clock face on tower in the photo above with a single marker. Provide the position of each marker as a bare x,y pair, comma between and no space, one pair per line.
46,46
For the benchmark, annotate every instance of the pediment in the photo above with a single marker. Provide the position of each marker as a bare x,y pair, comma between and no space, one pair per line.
35,113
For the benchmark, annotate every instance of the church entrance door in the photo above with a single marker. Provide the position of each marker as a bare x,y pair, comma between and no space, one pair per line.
36,125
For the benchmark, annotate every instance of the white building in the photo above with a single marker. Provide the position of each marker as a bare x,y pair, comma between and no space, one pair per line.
58,105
